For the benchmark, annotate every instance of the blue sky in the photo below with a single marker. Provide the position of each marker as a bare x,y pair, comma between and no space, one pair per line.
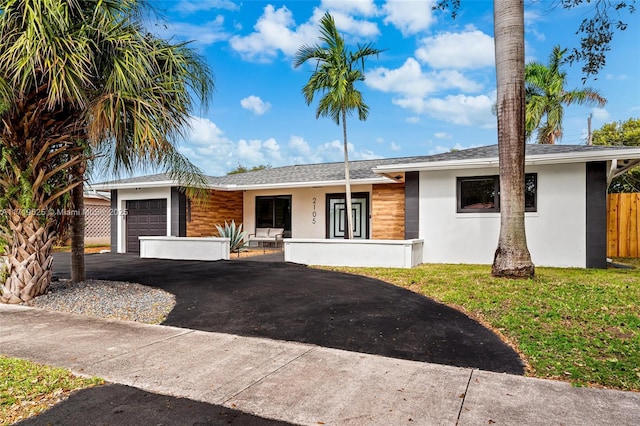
429,92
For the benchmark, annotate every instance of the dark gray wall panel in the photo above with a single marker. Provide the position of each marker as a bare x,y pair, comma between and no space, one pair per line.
411,205
178,213
596,215
114,221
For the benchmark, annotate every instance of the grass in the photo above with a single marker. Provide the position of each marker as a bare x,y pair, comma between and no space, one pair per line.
580,325
27,389
88,248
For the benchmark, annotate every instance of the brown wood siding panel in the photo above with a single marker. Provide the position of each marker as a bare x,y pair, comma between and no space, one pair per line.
222,205
623,225
387,211
612,225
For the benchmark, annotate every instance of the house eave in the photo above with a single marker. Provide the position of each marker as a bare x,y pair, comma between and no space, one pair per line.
312,184
249,187
108,186
540,159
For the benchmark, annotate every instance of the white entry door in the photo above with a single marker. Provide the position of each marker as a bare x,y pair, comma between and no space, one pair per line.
337,221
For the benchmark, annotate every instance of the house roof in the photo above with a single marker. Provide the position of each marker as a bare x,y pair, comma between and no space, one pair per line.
622,158
388,170
93,194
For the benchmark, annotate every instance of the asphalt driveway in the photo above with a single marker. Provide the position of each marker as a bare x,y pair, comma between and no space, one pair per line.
291,302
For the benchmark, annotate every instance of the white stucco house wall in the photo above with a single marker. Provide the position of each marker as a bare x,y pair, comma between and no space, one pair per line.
448,201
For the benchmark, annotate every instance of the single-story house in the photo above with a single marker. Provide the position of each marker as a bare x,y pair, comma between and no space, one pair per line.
450,201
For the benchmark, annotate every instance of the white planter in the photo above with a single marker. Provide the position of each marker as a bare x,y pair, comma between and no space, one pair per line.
371,253
184,248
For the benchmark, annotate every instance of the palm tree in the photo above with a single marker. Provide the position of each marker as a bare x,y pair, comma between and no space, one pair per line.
336,73
79,79
546,96
512,258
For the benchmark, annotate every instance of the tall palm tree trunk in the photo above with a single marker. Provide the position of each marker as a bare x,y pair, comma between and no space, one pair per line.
77,229
512,258
29,258
347,179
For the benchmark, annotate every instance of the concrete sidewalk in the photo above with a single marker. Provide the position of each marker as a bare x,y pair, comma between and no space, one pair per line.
300,383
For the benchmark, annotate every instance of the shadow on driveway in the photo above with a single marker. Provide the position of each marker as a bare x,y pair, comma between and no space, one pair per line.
123,405
293,302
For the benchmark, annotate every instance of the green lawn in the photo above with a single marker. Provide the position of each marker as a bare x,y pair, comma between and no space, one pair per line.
581,325
27,389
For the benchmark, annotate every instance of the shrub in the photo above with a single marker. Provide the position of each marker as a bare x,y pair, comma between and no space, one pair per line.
235,234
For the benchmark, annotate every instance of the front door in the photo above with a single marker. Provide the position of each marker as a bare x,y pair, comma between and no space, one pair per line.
337,221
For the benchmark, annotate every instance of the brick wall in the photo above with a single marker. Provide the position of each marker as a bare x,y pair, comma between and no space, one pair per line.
387,211
222,205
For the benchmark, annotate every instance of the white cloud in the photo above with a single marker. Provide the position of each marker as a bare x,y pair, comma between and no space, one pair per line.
204,132
531,17
470,49
454,79
537,34
394,146
359,7
619,77
410,17
208,148
410,81
413,119
256,152
407,80
192,6
333,151
299,146
346,23
275,32
439,149
457,109
255,105
203,35
442,135
600,114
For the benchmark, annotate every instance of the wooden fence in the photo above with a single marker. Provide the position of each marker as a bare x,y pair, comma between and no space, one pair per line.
623,225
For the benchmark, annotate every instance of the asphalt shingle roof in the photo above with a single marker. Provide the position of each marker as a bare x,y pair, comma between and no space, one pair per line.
327,172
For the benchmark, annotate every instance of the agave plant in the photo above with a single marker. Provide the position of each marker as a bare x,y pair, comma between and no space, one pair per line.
235,234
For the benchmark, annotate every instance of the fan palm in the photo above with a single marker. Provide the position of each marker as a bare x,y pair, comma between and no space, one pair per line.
80,77
337,71
546,97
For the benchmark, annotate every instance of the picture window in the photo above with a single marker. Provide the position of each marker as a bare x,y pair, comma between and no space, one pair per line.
481,194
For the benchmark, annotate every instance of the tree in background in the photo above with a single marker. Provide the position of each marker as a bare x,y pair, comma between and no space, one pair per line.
245,169
623,133
546,97
336,73
75,75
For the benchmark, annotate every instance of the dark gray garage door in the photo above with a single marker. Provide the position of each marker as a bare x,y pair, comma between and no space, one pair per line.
145,218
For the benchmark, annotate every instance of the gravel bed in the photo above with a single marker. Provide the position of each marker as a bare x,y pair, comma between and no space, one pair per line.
108,299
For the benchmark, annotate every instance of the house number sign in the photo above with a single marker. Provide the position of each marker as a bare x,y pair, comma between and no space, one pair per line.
314,213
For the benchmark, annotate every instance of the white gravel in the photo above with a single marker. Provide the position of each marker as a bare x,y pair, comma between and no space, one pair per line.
108,299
